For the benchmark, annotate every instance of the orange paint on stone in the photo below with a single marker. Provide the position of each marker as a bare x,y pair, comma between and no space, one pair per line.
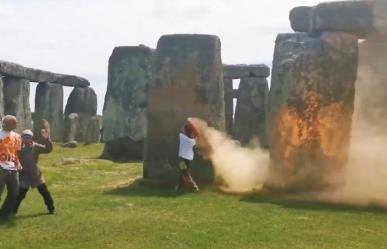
320,132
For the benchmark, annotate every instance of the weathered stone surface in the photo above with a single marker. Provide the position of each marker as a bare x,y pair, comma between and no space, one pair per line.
84,121
380,18
355,17
49,106
130,74
1,99
92,132
16,101
245,71
70,80
36,75
235,93
72,128
250,111
188,83
371,94
82,100
228,105
300,18
310,108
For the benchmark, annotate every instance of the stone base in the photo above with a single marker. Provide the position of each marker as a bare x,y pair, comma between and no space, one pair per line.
123,149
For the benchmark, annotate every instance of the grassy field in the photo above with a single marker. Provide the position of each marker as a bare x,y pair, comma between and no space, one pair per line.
99,206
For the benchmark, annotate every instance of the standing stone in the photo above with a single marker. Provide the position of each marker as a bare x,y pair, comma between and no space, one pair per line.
16,101
371,94
124,116
72,128
250,111
188,83
228,104
82,101
93,131
49,106
311,103
380,18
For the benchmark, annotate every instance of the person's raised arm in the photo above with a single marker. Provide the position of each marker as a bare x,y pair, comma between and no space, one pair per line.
46,147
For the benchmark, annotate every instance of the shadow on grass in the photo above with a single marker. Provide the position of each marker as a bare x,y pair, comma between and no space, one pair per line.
141,187
7,222
286,202
119,160
26,216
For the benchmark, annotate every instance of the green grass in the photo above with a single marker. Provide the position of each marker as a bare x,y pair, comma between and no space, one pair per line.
99,207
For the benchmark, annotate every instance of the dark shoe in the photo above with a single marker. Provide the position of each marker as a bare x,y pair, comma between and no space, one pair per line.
51,211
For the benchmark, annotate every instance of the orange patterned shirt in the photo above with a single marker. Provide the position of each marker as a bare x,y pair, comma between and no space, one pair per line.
10,145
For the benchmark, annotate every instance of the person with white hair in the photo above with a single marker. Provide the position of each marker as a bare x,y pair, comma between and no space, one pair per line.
31,176
10,145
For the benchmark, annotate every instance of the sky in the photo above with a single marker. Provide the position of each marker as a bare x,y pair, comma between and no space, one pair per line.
78,36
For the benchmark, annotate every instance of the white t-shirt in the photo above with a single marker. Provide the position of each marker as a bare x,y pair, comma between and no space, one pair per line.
10,144
185,147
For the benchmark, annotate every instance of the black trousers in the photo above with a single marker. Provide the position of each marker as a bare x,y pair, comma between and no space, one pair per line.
42,188
10,179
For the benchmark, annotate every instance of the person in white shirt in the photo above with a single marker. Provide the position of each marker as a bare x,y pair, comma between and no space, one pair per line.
10,145
186,155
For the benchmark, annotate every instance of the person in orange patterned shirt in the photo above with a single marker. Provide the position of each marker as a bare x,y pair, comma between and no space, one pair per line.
10,145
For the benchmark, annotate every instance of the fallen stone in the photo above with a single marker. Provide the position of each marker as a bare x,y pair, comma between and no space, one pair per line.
71,160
